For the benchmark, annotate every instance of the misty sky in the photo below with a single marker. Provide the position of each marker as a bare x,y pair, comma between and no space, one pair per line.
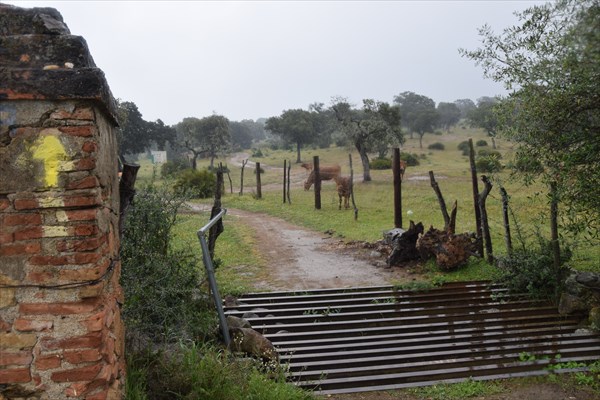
253,59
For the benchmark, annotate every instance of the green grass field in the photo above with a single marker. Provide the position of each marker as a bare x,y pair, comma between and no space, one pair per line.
375,199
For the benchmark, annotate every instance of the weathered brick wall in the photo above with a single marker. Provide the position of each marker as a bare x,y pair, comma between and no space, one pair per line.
61,334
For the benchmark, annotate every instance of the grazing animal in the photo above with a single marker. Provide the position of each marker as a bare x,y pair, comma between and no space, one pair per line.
403,166
326,172
307,166
344,189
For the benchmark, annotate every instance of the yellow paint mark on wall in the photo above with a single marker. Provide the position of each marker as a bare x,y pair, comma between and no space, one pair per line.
51,152
55,231
61,216
48,202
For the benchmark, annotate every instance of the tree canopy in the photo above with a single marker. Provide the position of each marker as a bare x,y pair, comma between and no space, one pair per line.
373,127
449,115
296,126
209,135
485,116
418,113
551,64
137,135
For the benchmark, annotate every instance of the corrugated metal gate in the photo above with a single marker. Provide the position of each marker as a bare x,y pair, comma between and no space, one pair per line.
381,338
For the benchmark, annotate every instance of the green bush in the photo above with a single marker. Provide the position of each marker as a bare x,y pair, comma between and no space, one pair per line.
488,164
172,168
161,284
196,184
412,160
481,143
380,163
436,146
257,153
489,153
530,270
204,372
464,147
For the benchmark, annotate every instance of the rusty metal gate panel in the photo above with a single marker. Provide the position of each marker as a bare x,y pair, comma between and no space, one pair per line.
382,338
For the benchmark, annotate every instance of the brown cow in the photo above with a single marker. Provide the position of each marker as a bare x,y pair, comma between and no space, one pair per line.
326,172
403,166
344,189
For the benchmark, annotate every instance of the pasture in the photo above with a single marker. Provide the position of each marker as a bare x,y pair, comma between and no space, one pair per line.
528,204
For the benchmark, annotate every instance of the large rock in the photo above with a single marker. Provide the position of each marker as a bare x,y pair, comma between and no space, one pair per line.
249,341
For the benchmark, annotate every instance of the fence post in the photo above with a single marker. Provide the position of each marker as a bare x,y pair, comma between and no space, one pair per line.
317,182
397,189
258,184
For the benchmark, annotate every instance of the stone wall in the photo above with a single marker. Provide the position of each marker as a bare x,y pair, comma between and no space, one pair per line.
61,334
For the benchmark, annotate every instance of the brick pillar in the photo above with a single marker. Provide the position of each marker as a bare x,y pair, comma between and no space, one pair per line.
61,334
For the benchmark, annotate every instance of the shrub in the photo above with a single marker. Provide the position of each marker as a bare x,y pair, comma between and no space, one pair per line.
464,147
488,164
196,184
172,168
380,163
161,284
412,160
489,153
436,146
257,153
530,270
481,143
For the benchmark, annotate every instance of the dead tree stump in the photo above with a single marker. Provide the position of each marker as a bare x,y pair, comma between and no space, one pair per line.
404,244
449,250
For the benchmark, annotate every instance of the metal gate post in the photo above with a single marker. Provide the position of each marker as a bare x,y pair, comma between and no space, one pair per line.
210,272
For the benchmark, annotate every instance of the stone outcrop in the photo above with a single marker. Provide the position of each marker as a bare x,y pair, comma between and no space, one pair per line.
61,334
582,294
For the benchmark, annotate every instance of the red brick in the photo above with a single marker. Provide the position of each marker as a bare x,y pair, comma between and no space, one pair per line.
36,325
17,249
48,260
83,388
95,323
83,131
85,164
79,113
24,130
34,232
43,363
81,244
25,204
4,204
81,201
6,238
85,258
79,275
15,375
82,356
89,147
79,307
82,215
86,373
22,219
91,340
4,326
85,183
40,276
19,358
85,230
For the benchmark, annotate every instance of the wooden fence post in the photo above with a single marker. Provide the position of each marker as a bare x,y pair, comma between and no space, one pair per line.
352,188
284,180
397,188
258,184
289,170
485,226
317,182
507,237
475,197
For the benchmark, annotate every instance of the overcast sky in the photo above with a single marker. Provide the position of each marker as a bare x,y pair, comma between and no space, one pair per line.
253,59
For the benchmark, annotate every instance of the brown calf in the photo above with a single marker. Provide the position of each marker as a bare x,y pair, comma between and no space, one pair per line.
326,172
344,189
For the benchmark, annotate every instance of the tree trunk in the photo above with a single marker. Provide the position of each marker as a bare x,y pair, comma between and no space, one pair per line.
194,164
494,142
485,227
421,140
364,158
438,192
298,159
475,196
